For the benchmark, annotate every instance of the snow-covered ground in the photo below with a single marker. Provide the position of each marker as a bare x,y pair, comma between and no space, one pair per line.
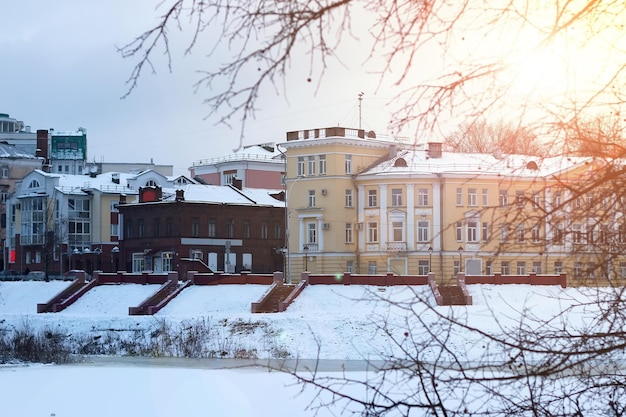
329,322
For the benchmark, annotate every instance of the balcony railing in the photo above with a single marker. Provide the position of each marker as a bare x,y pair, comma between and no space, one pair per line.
396,246
312,247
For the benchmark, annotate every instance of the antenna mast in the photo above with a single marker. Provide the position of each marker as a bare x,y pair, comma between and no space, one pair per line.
360,101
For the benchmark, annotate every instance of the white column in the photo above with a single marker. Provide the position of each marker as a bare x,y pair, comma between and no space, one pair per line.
302,235
360,195
383,237
410,217
436,228
320,234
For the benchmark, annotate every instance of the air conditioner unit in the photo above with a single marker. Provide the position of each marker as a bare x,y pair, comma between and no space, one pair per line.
324,191
326,226
359,226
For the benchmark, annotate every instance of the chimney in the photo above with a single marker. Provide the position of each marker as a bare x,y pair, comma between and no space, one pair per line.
122,198
237,183
434,149
180,195
115,177
42,150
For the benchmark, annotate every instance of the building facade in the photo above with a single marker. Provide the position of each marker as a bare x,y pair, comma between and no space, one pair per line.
228,229
364,204
255,166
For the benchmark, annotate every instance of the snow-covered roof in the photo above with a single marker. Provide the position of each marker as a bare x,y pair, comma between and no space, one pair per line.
419,162
224,194
9,151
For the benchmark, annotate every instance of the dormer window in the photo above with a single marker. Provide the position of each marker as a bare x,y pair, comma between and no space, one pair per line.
151,183
34,184
400,162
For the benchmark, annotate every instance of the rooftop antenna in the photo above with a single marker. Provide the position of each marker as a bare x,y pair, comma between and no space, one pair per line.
360,101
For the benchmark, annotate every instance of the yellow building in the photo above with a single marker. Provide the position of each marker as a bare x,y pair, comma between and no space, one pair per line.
365,204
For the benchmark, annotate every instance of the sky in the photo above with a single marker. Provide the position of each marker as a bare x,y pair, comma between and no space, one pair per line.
60,68
341,320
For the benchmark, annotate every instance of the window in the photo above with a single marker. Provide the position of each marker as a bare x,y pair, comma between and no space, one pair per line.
535,234
577,234
459,231
311,233
457,267
489,268
472,231
472,197
372,268
229,176
5,171
348,201
520,198
34,184
591,269
195,227
486,233
504,233
264,230
311,198
277,230
459,196
422,197
138,262
536,200
348,232
246,229
311,165
520,233
537,267
322,164
485,197
348,164
169,226
167,259
578,269
558,198
557,234
372,232
622,269
423,268
151,183
212,231
115,229
350,266
372,198
558,267
300,166
140,228
578,202
504,198
396,197
590,200
230,228
423,229
3,196
521,267
505,268
397,229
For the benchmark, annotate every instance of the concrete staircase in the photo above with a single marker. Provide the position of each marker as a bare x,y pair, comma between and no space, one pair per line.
452,295
271,302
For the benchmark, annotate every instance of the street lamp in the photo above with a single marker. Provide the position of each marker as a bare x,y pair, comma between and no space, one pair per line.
430,259
305,248
460,259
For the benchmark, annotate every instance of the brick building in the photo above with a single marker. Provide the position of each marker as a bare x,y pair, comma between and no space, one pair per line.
227,228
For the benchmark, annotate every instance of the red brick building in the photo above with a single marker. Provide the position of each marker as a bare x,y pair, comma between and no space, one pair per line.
227,228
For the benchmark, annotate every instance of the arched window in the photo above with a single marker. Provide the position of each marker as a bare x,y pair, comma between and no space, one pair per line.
400,162
34,184
151,183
